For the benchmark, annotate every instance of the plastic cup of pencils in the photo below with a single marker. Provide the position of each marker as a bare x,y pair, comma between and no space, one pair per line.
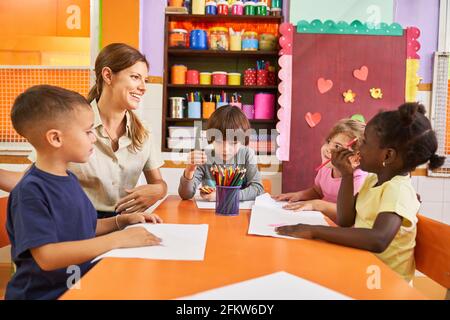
227,200
194,110
208,109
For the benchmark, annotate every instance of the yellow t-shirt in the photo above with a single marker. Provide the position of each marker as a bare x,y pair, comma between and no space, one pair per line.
396,195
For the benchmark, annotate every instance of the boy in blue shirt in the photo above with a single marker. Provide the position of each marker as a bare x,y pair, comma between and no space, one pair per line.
51,223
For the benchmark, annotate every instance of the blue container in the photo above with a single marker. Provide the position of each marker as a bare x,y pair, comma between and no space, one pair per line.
194,110
211,9
250,44
227,200
198,40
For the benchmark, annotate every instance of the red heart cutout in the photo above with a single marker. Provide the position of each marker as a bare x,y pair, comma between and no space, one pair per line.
313,119
324,85
361,73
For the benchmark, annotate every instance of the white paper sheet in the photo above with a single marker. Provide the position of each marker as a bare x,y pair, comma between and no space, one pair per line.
276,286
202,204
264,220
265,200
179,242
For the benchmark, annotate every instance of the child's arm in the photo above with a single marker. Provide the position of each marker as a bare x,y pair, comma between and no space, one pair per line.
375,240
9,179
346,204
63,254
192,175
307,194
254,186
327,208
108,225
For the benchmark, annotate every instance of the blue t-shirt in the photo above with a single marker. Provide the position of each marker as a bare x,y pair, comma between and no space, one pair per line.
44,208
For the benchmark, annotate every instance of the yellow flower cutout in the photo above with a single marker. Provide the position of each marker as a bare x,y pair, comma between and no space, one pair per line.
376,93
349,96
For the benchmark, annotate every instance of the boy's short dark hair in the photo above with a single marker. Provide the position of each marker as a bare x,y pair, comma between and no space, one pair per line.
228,118
43,103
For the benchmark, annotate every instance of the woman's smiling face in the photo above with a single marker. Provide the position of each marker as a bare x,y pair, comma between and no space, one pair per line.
128,85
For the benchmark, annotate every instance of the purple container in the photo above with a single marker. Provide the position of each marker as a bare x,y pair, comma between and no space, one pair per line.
249,110
227,200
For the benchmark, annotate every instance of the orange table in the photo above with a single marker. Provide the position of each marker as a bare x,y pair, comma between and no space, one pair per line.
232,256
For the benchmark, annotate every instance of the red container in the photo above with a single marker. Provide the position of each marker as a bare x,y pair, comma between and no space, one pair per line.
192,77
237,9
262,77
219,78
250,77
222,8
272,78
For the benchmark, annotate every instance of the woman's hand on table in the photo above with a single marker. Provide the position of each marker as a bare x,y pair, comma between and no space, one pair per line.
139,199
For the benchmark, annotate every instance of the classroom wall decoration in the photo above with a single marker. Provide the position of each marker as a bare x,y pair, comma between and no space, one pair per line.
339,70
285,89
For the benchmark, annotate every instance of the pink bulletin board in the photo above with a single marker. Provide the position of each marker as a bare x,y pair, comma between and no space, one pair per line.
329,59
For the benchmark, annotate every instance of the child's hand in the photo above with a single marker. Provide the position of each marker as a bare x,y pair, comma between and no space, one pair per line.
302,206
141,217
208,196
136,237
304,231
195,158
291,197
340,160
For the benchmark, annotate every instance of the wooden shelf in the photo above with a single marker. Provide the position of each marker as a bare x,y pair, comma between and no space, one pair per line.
203,119
223,18
214,87
214,60
220,53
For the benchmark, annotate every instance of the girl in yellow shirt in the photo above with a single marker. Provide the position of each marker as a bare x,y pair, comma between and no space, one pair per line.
383,213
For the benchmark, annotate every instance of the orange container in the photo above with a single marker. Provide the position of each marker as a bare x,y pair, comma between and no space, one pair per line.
179,74
175,3
208,109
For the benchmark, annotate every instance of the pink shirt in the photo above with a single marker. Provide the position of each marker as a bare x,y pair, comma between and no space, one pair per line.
330,186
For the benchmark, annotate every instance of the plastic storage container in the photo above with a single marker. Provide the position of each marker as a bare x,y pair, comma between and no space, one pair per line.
211,8
192,77
219,78
218,38
222,8
234,79
237,9
179,74
267,42
205,78
250,41
198,6
261,9
264,106
198,40
250,8
178,38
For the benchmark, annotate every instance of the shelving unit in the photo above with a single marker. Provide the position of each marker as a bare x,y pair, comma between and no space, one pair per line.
211,60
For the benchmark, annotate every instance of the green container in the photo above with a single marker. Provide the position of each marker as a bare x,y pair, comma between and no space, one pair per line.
249,9
261,9
276,4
